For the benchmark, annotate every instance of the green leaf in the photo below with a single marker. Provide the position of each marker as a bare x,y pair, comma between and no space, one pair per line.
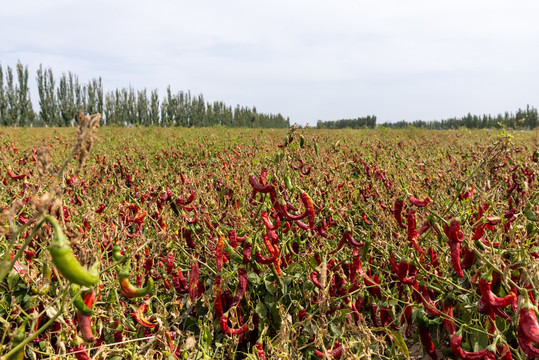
253,278
399,343
261,310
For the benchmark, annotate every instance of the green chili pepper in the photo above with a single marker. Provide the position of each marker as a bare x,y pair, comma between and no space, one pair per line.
129,290
116,253
301,141
66,263
78,302
288,183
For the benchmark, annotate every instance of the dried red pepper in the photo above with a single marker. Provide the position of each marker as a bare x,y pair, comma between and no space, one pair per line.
412,231
260,351
242,286
223,322
419,203
397,212
193,279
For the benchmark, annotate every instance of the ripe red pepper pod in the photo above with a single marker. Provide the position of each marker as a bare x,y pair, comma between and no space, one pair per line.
449,323
260,351
309,208
421,294
223,322
456,341
525,343
404,269
424,333
269,226
80,352
334,353
489,297
66,263
247,249
264,189
265,260
129,290
528,319
242,287
186,201
397,212
419,203
193,279
219,254
412,231
85,321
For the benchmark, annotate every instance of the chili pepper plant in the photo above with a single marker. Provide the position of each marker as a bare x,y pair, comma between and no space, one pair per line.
264,244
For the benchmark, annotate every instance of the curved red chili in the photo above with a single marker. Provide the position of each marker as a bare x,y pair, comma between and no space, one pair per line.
223,322
493,300
247,249
242,287
419,203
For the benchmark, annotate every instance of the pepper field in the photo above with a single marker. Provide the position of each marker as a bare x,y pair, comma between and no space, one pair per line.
298,244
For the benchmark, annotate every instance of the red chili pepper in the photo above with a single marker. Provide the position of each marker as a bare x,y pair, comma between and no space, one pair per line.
180,285
412,230
264,189
85,321
467,195
247,249
469,259
80,352
419,203
525,343
260,351
267,222
186,201
404,268
218,304
314,279
397,212
309,208
426,340
334,353
421,294
456,237
528,319
448,321
223,322
193,279
219,254
242,287
455,342
14,176
493,300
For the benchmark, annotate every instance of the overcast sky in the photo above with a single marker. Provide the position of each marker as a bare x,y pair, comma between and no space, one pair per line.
309,60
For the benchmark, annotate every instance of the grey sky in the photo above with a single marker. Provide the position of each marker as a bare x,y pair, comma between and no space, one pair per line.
309,60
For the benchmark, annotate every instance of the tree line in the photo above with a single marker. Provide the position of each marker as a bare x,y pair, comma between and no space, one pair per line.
521,119
61,98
